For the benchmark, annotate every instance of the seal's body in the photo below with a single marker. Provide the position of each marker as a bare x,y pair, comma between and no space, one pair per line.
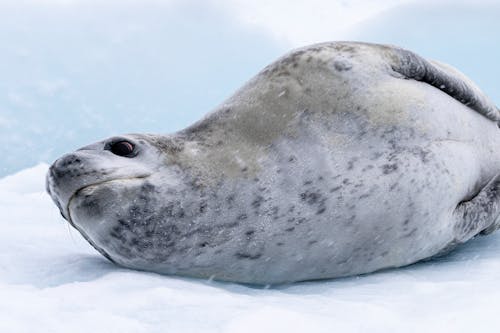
337,159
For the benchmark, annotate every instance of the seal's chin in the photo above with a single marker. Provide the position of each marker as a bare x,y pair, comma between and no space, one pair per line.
95,209
89,189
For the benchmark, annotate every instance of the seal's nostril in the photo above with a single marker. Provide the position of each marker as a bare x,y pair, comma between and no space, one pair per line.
66,161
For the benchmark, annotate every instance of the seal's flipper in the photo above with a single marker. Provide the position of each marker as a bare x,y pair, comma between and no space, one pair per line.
412,66
479,214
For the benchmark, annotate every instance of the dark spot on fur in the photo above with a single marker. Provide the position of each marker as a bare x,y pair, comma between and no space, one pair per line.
334,189
350,164
117,232
321,210
242,255
257,202
351,219
123,223
376,155
409,234
290,229
366,168
230,199
393,186
389,168
424,156
310,197
203,207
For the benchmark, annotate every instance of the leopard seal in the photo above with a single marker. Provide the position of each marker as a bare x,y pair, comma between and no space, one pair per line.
337,159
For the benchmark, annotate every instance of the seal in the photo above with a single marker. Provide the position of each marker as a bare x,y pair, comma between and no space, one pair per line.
337,159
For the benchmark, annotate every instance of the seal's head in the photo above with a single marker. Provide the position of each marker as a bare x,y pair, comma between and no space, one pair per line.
97,185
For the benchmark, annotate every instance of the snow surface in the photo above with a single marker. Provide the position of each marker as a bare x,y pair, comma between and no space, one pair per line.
51,280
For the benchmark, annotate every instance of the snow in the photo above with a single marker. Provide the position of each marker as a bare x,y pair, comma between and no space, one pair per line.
51,280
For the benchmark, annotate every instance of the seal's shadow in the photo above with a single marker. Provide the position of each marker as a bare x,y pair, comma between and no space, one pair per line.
71,269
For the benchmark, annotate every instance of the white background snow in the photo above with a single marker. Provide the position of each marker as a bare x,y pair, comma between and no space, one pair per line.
72,72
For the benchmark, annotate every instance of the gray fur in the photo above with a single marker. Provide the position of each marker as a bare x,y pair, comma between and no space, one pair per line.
415,67
337,159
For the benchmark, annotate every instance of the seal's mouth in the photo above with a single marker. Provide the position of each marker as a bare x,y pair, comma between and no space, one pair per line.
80,230
79,190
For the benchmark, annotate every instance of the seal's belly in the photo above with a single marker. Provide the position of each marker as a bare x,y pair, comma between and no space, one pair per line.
350,213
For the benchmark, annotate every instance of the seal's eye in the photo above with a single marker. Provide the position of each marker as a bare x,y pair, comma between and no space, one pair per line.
122,148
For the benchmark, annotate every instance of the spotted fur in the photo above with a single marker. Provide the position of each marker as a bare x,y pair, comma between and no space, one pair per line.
337,159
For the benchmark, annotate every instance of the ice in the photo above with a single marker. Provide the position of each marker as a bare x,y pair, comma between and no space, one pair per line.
51,280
